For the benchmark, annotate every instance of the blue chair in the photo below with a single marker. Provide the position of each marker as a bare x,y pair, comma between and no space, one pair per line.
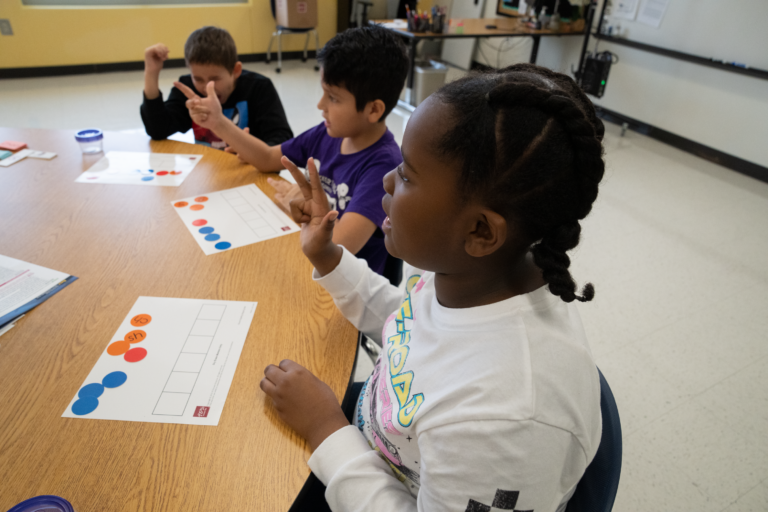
596,491
280,30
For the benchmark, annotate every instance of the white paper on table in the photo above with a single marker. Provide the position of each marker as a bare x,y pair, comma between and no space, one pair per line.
652,12
21,282
192,348
150,169
399,24
16,157
626,9
233,218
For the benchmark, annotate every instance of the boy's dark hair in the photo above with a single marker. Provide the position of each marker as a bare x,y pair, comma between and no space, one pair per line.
370,62
211,45
530,146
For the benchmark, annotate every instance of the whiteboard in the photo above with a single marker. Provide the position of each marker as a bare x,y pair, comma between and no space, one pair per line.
733,31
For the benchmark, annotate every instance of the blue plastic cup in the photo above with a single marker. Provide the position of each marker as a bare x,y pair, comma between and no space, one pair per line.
43,504
91,140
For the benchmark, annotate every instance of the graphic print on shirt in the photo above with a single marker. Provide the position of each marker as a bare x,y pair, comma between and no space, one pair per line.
338,194
238,115
504,500
380,442
383,420
397,354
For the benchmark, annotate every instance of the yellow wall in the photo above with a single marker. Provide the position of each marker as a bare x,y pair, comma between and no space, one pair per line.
54,36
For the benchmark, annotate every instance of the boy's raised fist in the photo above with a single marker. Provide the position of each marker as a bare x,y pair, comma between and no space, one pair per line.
154,56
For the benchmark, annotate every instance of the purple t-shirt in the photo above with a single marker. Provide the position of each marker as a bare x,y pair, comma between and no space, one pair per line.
353,182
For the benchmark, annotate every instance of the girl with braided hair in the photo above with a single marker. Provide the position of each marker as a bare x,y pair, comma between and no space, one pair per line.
485,393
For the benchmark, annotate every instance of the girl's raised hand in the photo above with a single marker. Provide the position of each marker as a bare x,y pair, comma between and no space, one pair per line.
310,209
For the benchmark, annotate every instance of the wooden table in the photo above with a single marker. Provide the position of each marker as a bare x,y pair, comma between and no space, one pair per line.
124,241
474,28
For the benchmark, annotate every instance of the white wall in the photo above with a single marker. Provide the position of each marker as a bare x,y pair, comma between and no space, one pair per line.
723,110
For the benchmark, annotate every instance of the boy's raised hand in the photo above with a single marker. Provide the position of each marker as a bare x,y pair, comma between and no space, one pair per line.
285,192
154,56
311,210
205,112
230,149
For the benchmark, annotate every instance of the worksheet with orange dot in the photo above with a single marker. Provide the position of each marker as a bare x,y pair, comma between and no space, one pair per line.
170,361
150,169
228,219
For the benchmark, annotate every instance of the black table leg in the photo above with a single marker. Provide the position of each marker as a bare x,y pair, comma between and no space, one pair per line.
535,49
411,70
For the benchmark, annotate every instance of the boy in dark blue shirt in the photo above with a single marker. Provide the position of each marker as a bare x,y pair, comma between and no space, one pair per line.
363,72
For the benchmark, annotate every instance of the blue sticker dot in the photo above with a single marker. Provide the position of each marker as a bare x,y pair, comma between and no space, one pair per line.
151,170
147,178
206,230
85,405
94,390
213,237
222,245
114,379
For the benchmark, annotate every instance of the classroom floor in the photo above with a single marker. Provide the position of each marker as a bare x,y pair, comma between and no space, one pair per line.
676,247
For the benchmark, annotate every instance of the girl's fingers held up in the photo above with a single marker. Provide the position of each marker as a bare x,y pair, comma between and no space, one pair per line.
318,194
329,220
301,180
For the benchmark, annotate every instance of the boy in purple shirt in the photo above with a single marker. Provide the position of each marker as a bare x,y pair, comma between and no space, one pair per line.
363,71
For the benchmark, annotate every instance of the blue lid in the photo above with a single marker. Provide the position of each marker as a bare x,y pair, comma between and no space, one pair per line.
43,504
89,135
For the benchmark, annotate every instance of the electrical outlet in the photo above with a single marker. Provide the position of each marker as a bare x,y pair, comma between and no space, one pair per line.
5,27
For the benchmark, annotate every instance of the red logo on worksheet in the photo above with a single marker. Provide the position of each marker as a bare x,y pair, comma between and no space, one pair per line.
285,228
201,411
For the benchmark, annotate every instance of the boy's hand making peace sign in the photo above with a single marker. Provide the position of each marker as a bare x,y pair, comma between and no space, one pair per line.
205,112
311,210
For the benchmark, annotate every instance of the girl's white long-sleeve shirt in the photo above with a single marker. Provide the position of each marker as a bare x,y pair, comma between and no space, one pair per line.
467,409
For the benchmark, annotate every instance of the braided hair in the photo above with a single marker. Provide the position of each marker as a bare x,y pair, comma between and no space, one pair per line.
529,144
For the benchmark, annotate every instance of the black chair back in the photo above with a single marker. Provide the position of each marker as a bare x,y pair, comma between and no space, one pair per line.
596,491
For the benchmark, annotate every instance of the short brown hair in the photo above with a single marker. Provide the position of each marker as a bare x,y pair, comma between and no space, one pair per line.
211,45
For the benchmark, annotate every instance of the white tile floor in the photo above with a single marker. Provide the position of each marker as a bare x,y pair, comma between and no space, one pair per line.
676,247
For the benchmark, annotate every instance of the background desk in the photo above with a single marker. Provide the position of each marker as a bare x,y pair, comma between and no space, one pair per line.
472,27
123,241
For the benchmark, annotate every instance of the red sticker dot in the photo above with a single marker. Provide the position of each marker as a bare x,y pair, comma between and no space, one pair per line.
162,173
135,355
180,204
199,222
201,199
196,207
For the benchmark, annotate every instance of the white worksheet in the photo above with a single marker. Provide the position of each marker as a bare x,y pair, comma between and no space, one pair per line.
652,12
150,169
626,9
170,361
22,282
232,218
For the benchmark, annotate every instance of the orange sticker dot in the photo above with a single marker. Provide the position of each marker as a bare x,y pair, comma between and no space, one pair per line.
118,348
196,207
175,173
201,199
180,204
140,320
135,336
